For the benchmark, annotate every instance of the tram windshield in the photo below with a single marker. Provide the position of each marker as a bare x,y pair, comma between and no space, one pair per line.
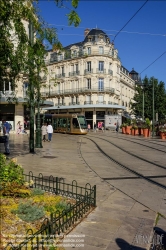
82,121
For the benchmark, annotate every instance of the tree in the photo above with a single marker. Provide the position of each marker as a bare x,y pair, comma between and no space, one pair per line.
159,99
20,53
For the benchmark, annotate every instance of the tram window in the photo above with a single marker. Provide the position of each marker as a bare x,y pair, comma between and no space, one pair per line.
64,122
75,123
54,123
82,122
68,126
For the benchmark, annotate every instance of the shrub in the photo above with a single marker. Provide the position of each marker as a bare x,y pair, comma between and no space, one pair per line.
10,171
62,205
29,211
15,190
37,191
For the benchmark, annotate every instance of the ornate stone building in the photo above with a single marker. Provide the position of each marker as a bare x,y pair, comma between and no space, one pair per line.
88,77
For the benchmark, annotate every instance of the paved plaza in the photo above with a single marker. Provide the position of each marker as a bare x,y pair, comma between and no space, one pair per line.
118,221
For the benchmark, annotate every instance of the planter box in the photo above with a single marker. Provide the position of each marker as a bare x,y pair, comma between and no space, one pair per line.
128,130
123,130
163,135
132,131
146,132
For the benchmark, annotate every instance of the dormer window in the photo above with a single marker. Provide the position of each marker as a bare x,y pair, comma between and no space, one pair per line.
89,39
74,53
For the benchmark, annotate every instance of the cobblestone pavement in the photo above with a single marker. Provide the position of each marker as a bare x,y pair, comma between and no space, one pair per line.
120,220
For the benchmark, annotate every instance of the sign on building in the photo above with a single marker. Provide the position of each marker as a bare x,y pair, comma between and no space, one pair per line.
111,121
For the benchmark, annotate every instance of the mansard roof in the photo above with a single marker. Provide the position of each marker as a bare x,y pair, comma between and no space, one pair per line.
94,34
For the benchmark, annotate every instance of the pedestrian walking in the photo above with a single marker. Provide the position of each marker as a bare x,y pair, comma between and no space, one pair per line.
95,127
44,131
49,131
18,127
6,131
88,127
117,126
102,126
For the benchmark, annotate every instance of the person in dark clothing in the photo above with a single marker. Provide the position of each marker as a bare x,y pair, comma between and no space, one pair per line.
6,131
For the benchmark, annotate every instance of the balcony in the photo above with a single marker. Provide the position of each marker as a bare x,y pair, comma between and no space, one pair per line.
98,71
88,102
87,72
6,93
110,72
72,103
68,56
78,91
74,73
60,75
100,102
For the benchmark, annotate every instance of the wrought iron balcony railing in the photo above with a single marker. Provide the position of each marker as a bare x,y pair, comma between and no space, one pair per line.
78,91
98,71
87,72
67,56
74,73
6,93
88,102
60,75
100,102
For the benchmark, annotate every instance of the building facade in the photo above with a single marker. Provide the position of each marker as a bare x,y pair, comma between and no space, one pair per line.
88,78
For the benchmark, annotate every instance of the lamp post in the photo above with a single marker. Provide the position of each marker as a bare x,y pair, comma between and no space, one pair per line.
141,83
38,129
58,109
153,110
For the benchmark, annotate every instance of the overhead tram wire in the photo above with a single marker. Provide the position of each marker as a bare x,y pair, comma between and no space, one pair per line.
153,62
129,21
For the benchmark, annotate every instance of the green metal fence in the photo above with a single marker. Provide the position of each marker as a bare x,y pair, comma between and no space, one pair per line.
58,223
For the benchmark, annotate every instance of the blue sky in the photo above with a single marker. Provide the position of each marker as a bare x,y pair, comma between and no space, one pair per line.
140,43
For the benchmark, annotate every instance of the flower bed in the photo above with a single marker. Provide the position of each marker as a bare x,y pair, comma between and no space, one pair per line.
36,210
20,214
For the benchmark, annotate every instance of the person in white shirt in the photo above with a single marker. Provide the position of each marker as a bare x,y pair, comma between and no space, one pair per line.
49,131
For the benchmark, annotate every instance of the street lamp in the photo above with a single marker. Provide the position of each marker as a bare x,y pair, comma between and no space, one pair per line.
38,129
141,84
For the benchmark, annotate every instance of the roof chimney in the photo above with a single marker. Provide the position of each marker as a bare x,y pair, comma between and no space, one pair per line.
86,31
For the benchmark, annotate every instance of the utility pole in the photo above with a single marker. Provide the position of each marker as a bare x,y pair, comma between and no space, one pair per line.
153,111
31,90
143,105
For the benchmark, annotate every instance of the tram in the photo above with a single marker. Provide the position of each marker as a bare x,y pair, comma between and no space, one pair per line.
66,123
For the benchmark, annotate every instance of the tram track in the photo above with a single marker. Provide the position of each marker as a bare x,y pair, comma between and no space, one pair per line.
141,143
126,167
132,154
113,185
152,141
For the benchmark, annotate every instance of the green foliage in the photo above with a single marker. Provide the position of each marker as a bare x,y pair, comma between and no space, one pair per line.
37,191
62,205
10,172
128,122
28,211
14,189
73,18
14,59
147,91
